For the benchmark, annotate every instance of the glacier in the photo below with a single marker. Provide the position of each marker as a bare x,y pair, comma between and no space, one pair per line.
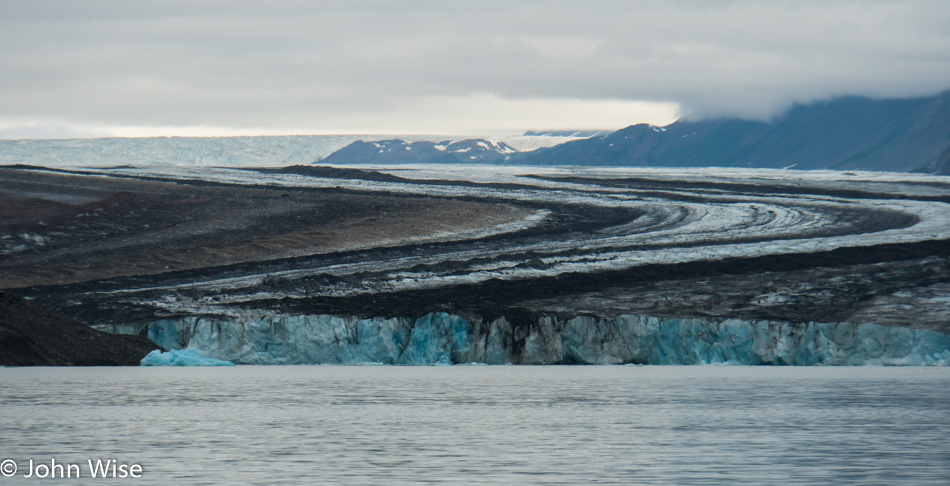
443,338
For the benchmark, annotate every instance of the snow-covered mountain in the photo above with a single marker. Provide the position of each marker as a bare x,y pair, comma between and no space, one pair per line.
479,151
850,133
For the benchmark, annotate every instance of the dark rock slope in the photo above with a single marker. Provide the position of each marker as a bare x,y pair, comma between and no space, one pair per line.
33,336
850,133
940,167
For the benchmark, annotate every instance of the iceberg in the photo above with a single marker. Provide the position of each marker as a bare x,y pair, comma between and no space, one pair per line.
442,338
184,357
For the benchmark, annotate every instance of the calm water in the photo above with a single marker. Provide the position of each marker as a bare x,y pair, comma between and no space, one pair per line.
480,424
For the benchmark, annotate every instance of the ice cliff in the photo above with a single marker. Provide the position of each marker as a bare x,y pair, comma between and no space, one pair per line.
441,338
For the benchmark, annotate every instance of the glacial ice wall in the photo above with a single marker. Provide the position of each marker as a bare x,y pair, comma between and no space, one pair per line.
441,338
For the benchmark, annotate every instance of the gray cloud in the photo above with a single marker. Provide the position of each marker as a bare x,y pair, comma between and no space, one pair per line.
318,65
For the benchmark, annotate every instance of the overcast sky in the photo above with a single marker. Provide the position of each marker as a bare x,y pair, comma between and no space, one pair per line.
130,68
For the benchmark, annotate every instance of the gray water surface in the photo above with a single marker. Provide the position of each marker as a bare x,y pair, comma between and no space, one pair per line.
483,424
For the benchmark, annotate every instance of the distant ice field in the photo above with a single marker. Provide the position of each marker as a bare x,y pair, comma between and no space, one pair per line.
252,151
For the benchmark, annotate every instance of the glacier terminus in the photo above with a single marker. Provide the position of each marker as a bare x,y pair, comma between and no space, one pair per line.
442,264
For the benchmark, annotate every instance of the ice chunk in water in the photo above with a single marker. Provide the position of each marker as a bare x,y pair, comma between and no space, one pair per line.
182,357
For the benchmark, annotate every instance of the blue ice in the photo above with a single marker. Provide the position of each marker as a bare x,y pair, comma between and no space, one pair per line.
182,357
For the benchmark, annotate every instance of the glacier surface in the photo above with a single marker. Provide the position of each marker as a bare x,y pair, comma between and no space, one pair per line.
181,357
441,338
658,229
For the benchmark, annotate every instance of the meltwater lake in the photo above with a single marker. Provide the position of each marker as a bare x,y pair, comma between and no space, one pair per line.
479,424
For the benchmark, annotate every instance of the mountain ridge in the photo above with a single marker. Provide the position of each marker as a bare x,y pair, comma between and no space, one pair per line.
398,151
848,133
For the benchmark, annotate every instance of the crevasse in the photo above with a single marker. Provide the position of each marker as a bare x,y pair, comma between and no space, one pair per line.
440,338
